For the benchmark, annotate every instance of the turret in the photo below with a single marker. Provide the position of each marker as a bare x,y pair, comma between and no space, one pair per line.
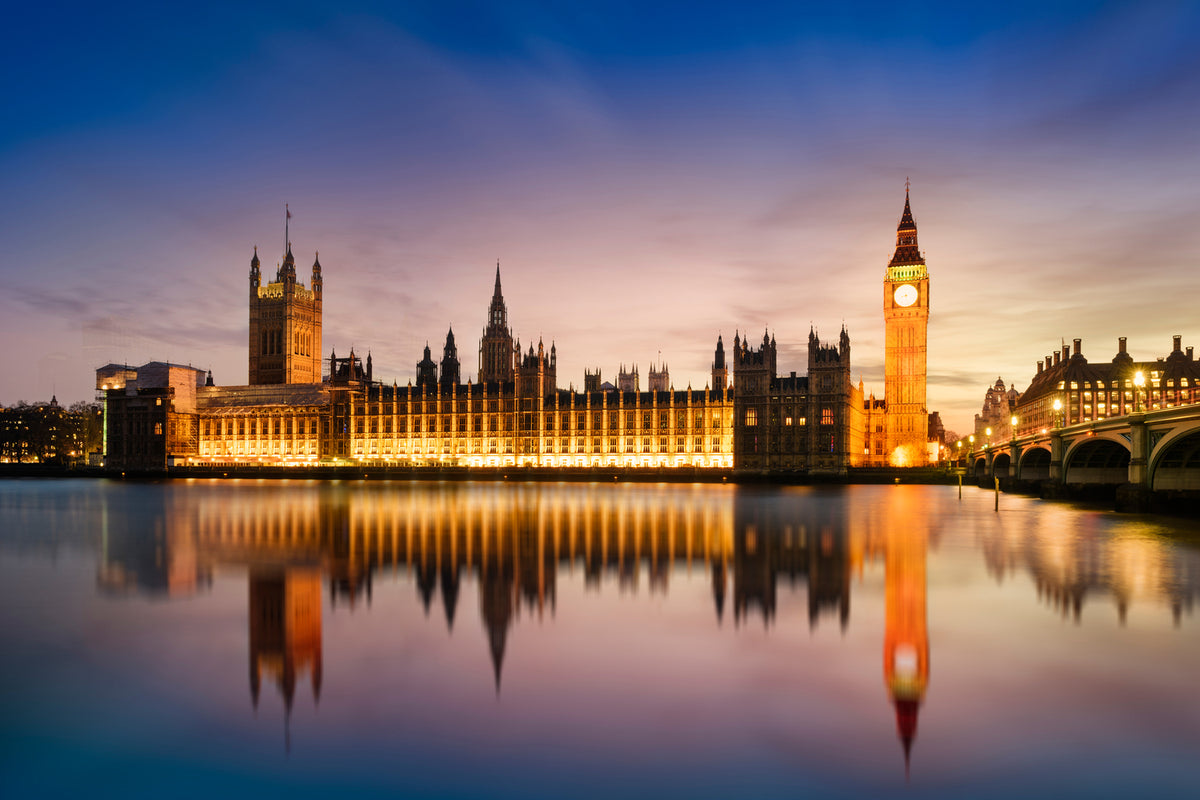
427,369
317,282
287,270
255,274
450,363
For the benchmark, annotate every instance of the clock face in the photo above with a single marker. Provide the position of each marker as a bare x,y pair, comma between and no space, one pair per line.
905,295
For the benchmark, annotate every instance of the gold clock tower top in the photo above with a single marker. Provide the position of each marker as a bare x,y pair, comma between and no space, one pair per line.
907,263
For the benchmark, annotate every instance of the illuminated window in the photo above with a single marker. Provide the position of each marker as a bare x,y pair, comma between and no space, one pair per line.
827,416
751,417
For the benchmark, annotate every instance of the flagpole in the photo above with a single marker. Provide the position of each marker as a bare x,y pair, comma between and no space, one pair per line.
287,216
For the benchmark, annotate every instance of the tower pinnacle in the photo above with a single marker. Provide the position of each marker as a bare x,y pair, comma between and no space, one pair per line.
907,251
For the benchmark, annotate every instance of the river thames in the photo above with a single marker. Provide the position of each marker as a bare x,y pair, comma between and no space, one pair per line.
228,638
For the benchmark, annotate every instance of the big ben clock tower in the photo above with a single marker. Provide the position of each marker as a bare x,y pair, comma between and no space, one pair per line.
906,326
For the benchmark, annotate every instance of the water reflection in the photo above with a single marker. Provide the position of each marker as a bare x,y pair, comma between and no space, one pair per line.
482,562
512,543
285,630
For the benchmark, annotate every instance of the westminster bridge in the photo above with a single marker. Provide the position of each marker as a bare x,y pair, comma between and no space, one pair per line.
1156,451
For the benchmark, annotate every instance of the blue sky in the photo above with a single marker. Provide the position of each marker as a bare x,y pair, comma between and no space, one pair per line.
649,175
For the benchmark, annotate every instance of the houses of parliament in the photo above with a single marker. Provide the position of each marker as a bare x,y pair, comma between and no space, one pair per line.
300,409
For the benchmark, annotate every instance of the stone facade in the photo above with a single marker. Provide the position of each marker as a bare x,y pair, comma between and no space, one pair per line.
1092,391
999,406
514,415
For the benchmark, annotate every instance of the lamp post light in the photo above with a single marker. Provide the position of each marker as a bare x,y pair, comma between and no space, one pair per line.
1014,426
1057,413
1139,380
988,431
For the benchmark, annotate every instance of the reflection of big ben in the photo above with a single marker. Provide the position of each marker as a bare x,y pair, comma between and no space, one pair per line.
906,325
285,629
906,639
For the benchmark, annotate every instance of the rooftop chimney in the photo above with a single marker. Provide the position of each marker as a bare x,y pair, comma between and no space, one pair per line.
1058,356
1078,342
1189,353
1177,340
1039,368
1066,352
1121,345
1047,362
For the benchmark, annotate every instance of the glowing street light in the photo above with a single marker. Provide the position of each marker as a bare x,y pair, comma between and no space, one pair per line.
1139,380
1014,426
1057,413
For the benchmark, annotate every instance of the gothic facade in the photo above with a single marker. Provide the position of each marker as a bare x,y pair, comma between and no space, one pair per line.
285,325
515,414
811,423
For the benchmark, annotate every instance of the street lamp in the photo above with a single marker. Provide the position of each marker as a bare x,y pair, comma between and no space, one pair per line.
1014,426
1057,413
988,431
1139,380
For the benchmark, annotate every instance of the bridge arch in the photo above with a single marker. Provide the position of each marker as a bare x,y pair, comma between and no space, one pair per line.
1034,464
979,467
1176,464
1001,465
1097,460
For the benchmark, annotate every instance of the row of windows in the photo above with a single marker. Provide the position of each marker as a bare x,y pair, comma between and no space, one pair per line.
565,446
1154,381
271,426
751,418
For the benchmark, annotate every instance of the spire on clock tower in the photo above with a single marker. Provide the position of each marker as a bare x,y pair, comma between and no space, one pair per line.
907,251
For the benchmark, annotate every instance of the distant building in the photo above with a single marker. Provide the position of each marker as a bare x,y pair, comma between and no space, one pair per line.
999,406
1088,391
38,433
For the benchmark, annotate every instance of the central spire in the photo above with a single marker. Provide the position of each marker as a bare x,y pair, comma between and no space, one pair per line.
907,251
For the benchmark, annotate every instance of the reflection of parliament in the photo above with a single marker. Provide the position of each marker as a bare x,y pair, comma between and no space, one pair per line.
295,413
501,552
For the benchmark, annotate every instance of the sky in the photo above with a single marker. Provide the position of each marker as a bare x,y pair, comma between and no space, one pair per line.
649,176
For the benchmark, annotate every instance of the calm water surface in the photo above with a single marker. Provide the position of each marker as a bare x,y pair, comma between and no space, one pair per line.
553,641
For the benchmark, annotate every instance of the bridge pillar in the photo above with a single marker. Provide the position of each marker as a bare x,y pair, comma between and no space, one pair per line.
1056,457
1014,460
1139,456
